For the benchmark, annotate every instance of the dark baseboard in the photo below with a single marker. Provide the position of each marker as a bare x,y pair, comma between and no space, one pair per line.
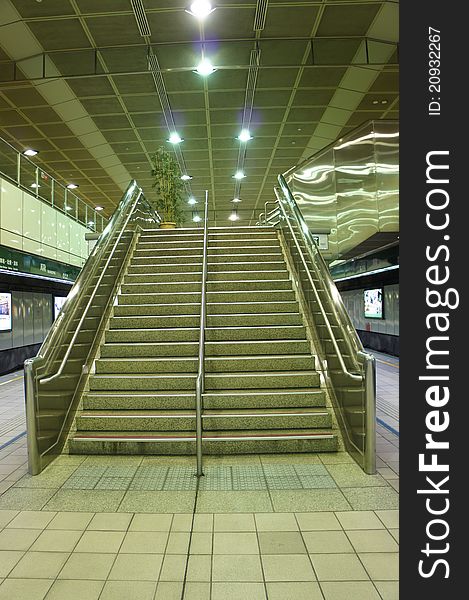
12,359
381,342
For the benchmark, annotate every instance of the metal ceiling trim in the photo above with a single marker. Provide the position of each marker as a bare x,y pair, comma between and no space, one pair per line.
141,17
261,15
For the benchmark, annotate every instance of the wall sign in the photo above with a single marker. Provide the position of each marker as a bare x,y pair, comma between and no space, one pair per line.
13,260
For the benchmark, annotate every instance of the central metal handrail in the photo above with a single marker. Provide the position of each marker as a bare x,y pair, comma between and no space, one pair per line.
200,381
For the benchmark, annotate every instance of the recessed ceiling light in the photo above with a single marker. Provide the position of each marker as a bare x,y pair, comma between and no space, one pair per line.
72,186
30,152
384,101
375,101
186,177
245,135
205,68
236,200
90,223
234,216
69,208
196,218
35,185
98,208
192,201
175,138
239,175
200,9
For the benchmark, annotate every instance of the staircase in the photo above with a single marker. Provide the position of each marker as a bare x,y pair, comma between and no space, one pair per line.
262,393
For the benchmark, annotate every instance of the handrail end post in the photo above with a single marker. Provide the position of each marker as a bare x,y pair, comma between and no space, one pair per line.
370,413
34,460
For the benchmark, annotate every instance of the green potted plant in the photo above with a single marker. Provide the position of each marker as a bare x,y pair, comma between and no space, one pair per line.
168,187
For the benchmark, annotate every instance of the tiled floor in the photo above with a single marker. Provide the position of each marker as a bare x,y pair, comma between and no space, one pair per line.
272,527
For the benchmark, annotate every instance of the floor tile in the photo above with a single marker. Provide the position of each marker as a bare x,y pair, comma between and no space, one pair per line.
53,477
136,567
144,542
201,543
25,499
178,542
87,566
351,475
61,540
297,590
281,542
128,590
242,502
32,519
390,518
196,590
19,589
276,522
169,590
389,590
6,516
395,534
182,522
356,519
327,542
287,567
174,567
234,522
18,539
335,458
317,521
8,559
238,591
236,568
105,542
378,540
40,565
235,543
203,523
308,500
338,567
349,590
75,590
157,502
110,522
381,566
87,500
372,498
70,521
151,522
199,568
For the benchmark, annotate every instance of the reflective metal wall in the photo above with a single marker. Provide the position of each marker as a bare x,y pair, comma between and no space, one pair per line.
31,320
350,190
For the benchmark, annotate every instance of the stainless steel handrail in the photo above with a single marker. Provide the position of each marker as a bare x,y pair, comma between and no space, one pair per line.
318,299
200,382
90,301
363,361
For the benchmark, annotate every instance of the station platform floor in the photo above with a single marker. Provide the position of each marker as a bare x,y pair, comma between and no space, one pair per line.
263,527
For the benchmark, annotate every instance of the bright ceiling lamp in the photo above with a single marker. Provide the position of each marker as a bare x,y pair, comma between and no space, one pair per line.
98,208
69,208
200,9
35,185
90,223
196,218
236,200
192,201
239,175
245,135
186,177
205,68
175,138
234,216
30,152
72,186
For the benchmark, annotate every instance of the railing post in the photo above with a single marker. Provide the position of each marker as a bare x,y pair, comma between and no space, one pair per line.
200,382
369,368
34,460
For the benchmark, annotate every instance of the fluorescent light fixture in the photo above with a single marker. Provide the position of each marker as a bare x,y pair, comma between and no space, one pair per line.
239,175
69,208
186,177
236,200
205,68
90,223
245,135
234,216
72,186
192,201
200,9
35,185
175,138
30,152
391,268
196,218
98,208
